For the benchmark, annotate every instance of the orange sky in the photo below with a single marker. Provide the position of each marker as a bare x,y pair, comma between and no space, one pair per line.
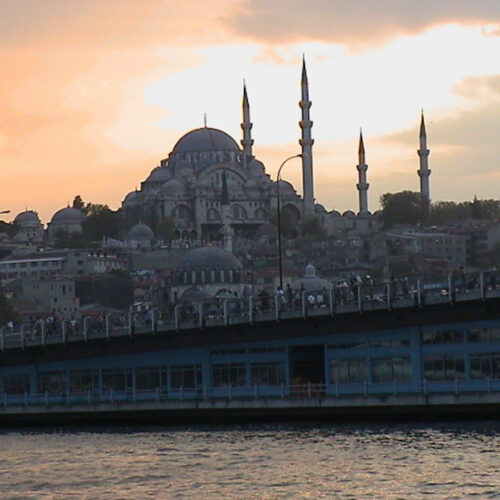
94,93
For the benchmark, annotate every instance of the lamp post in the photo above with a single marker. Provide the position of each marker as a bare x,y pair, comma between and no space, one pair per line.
280,263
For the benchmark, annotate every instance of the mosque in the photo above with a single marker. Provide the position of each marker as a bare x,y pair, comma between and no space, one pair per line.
187,185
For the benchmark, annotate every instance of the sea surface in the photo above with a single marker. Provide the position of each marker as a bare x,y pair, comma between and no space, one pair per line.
253,461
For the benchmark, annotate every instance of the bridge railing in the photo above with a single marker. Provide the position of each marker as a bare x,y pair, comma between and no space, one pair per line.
346,296
262,392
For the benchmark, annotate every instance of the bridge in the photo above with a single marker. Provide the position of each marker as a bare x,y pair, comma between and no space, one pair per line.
225,312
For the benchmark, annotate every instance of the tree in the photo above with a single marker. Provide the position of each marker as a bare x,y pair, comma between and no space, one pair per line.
7,312
405,207
311,229
101,221
166,229
78,203
288,224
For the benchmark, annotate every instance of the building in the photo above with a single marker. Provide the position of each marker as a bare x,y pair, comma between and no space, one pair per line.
29,227
187,186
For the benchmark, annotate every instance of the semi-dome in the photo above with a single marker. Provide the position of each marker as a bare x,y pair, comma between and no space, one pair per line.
140,232
205,139
132,198
68,215
285,187
158,174
209,258
172,187
27,218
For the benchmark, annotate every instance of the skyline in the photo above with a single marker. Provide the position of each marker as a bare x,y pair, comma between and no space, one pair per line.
97,93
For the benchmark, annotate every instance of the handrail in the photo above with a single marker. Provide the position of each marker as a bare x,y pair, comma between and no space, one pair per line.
309,391
242,311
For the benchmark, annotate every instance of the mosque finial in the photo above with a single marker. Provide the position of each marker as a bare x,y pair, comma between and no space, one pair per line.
304,70
361,148
422,125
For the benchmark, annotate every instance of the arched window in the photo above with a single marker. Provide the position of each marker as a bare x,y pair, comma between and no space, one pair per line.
193,277
238,212
203,276
221,274
212,276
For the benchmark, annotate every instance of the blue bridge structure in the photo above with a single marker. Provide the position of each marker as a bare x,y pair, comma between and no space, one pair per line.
431,353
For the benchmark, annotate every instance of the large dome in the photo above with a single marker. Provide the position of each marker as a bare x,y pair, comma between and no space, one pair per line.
68,215
205,139
209,258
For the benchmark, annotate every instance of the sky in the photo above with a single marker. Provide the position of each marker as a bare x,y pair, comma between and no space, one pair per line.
95,93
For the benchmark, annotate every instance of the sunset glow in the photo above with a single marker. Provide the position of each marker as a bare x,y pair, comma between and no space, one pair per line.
94,94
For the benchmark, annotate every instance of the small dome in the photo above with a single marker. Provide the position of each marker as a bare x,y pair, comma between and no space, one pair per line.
172,187
140,232
131,198
209,258
205,139
348,213
335,213
158,174
310,271
255,167
68,215
310,282
29,218
4,237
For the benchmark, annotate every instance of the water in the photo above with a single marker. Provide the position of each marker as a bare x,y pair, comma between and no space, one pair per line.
259,461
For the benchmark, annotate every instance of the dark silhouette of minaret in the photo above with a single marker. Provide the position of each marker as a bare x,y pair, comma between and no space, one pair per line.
246,126
306,142
362,185
424,171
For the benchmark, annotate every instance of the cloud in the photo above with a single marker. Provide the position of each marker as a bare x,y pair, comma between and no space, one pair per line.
356,23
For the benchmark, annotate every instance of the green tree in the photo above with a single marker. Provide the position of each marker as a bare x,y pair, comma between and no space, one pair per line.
166,229
78,203
101,221
7,312
289,228
405,207
311,229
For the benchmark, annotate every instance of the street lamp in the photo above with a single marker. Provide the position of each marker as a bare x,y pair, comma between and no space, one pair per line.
279,217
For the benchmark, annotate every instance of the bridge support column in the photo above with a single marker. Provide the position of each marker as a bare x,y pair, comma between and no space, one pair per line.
86,320
251,302
130,323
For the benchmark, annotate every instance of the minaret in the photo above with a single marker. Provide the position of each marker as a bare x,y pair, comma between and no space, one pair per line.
424,171
306,142
362,185
246,126
226,216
